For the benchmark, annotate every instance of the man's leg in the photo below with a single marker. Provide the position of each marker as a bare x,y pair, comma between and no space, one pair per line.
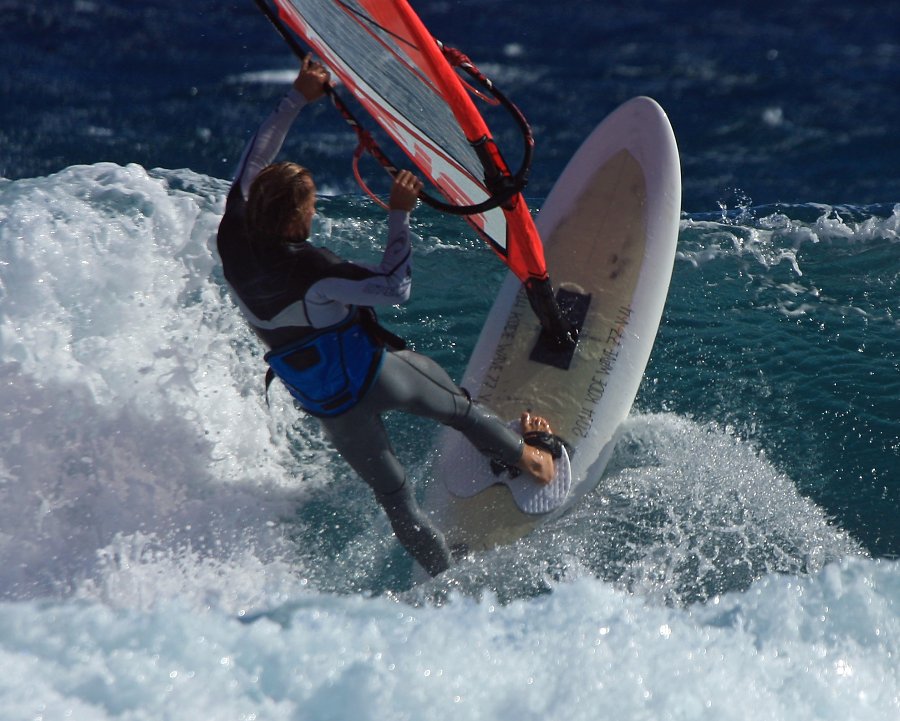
362,441
416,384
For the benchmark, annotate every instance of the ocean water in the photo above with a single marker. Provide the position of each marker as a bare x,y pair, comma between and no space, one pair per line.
171,547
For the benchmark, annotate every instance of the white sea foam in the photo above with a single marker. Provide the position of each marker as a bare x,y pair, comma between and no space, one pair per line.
770,238
685,512
815,648
786,259
280,78
132,392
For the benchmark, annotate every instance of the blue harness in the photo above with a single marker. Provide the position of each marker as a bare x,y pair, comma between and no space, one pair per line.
329,371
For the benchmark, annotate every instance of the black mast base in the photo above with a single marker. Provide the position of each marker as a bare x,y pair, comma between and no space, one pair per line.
561,320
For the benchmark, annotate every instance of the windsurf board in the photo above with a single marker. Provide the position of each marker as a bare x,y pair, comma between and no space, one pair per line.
609,228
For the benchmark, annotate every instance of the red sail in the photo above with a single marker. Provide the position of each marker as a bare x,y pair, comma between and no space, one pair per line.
399,73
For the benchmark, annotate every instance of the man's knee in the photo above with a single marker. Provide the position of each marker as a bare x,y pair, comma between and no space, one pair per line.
466,414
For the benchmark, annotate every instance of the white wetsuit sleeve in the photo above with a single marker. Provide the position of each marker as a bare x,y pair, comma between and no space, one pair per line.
387,283
268,139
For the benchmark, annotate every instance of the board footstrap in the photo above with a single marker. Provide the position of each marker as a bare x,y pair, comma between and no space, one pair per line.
530,496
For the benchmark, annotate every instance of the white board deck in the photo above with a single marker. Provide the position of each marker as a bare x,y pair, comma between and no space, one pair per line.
609,227
532,498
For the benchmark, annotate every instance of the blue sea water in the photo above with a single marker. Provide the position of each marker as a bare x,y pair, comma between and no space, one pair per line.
172,548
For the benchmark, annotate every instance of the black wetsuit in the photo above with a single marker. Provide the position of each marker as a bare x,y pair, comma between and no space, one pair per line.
288,292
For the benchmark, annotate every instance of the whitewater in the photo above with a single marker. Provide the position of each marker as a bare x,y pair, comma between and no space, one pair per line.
172,547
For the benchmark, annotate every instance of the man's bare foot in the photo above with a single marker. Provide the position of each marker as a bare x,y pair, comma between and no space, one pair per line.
534,460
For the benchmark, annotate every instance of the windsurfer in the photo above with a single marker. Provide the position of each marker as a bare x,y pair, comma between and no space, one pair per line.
313,311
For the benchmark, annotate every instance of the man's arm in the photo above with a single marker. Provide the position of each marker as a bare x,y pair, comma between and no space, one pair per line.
389,282
267,141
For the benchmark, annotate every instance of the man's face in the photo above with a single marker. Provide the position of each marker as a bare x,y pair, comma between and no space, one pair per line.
302,223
